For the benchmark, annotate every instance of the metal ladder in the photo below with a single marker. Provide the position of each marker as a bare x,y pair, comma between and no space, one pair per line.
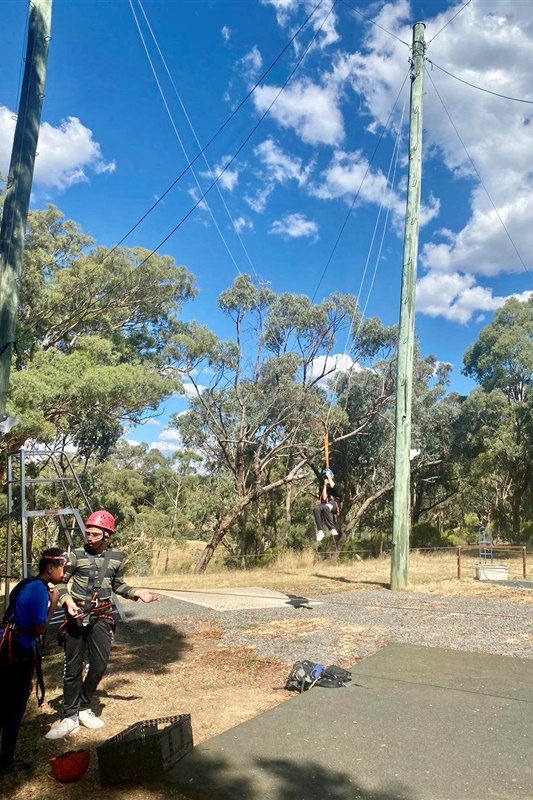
70,518
484,540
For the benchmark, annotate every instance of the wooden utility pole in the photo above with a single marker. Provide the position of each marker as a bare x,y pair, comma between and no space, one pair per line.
404,375
19,181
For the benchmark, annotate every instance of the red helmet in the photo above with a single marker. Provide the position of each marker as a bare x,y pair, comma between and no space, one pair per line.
101,519
70,766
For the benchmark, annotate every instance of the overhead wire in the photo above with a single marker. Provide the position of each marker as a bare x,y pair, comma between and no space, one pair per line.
348,214
343,226
244,143
351,334
513,245
109,253
374,23
391,183
449,22
480,88
233,222
220,129
170,116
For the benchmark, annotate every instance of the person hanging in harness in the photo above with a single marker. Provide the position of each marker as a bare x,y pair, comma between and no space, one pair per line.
31,606
328,507
95,571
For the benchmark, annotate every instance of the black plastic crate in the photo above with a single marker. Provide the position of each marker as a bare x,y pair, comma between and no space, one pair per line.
145,749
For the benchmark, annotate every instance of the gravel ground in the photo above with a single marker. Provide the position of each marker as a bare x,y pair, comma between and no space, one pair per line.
345,628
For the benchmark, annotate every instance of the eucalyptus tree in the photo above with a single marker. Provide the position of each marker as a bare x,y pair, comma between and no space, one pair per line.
92,323
259,421
364,444
500,412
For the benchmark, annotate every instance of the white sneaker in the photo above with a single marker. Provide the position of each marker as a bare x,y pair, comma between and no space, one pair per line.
89,720
65,728
319,536
334,532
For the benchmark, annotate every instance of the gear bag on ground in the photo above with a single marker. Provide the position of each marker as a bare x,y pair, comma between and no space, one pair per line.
306,674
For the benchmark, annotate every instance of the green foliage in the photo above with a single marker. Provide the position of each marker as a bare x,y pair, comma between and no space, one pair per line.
91,332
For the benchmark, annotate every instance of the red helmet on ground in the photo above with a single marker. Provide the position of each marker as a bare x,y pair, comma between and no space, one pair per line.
101,519
70,766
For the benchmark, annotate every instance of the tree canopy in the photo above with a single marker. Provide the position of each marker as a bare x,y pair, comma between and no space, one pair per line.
93,323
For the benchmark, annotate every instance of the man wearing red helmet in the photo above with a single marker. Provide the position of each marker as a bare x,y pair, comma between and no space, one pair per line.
95,572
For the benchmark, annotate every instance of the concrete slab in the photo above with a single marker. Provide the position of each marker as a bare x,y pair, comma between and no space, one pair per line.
427,724
243,597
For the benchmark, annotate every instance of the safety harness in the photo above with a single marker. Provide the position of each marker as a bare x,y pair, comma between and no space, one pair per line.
8,641
92,607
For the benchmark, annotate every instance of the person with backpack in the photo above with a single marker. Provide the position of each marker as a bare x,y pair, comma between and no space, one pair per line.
95,571
31,606
328,506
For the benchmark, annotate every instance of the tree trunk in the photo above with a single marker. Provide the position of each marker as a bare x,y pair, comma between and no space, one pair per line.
209,551
364,507
516,502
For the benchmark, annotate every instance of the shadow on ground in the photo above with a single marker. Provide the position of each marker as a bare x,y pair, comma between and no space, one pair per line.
340,579
286,779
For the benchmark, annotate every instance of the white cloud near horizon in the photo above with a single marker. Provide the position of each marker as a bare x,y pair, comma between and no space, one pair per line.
67,154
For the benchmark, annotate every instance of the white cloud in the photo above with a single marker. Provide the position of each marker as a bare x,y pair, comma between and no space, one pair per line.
330,366
295,226
283,8
251,63
281,167
310,109
226,33
194,193
349,175
242,223
258,201
324,20
191,391
227,179
67,154
168,441
457,297
484,141
277,167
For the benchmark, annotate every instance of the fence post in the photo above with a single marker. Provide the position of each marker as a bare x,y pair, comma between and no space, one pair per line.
459,563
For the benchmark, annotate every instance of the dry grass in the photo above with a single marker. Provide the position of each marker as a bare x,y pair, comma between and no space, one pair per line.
309,574
158,669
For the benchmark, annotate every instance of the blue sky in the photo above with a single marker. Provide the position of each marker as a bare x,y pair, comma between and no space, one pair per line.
113,140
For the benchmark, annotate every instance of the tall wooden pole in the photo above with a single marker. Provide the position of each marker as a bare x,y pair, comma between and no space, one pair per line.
19,181
404,375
